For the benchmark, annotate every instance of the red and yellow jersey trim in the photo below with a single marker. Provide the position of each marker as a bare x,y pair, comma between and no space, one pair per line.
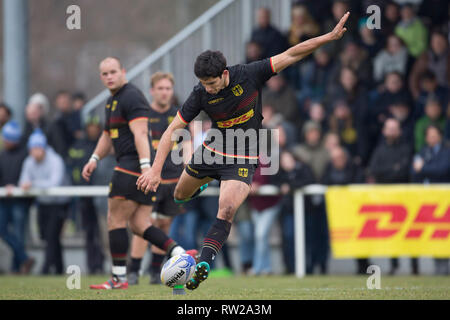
136,174
272,65
138,119
234,121
230,155
181,118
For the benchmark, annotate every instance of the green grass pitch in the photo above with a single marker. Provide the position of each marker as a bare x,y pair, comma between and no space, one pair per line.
235,288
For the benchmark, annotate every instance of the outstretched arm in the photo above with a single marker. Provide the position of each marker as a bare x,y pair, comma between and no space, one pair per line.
301,50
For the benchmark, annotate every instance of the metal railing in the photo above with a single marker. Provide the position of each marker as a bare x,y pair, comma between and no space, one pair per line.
226,27
267,190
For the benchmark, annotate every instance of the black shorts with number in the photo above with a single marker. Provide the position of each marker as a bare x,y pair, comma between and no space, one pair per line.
123,186
164,203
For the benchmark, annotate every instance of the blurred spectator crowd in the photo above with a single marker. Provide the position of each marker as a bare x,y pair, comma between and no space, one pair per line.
371,108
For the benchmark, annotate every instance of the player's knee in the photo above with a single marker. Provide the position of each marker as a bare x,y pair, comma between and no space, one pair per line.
178,194
226,212
115,221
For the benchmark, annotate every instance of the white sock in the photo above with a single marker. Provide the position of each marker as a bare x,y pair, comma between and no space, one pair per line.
120,272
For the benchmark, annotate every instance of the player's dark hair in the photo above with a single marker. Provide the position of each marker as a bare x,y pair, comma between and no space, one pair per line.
210,64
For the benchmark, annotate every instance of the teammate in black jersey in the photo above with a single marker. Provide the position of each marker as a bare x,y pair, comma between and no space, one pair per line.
127,130
162,112
231,96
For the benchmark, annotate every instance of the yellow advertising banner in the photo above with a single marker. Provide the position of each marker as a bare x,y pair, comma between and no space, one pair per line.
389,221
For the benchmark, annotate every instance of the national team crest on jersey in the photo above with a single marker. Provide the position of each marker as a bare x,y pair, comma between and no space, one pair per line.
243,172
237,90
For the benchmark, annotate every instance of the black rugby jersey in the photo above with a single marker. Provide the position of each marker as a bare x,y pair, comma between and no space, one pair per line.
125,106
158,124
238,106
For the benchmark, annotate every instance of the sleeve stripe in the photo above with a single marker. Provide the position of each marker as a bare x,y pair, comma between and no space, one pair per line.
181,118
272,65
138,119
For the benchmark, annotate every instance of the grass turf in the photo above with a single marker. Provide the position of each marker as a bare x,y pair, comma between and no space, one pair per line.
234,288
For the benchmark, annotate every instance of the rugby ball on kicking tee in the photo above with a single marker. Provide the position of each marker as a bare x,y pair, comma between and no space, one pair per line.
178,270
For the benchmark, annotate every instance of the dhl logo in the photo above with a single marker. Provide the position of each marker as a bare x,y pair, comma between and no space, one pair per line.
238,120
383,221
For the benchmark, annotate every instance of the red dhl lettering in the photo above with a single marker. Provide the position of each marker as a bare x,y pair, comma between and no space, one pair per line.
426,217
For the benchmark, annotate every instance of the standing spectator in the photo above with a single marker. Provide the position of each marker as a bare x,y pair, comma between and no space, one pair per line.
13,211
368,39
412,30
61,131
341,171
390,164
394,57
35,115
44,168
436,59
433,116
432,165
264,211
401,111
293,175
78,102
313,153
318,114
5,116
79,153
271,40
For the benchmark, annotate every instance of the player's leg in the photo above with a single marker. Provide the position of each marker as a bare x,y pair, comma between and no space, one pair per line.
189,186
138,248
119,212
232,195
158,255
140,225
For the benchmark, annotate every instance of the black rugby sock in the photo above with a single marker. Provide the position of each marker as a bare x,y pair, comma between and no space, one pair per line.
157,260
157,237
135,264
118,245
214,240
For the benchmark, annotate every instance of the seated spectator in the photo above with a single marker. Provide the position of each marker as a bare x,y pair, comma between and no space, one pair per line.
13,211
390,18
390,161
394,57
271,40
318,114
303,26
331,140
281,97
447,124
293,175
341,171
253,52
392,90
432,165
412,31
368,39
430,89
338,9
354,57
436,59
343,124
44,168
401,111
433,116
315,77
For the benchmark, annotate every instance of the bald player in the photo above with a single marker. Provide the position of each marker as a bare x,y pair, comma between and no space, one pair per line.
127,130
